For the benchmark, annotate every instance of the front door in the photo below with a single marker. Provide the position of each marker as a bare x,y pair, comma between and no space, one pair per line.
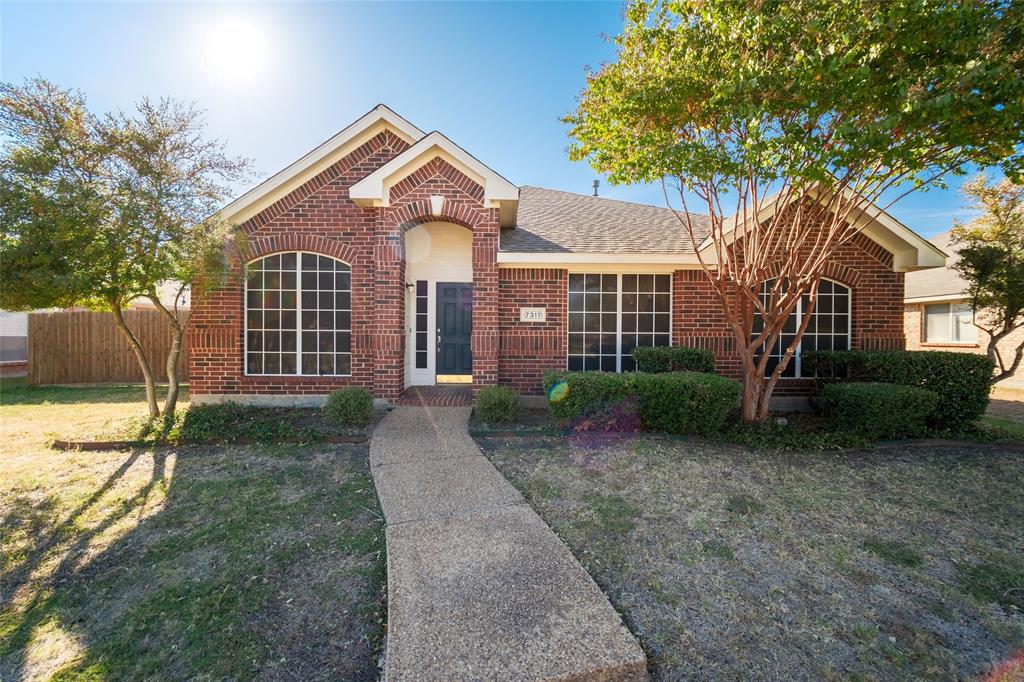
454,332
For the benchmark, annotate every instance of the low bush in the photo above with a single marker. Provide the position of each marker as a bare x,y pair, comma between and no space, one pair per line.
577,394
961,380
496,404
349,406
878,410
229,422
657,359
686,402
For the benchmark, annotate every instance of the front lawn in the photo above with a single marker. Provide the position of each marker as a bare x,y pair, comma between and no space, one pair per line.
903,562
210,562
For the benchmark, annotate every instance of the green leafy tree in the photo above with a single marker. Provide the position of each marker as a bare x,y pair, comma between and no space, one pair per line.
991,258
101,211
787,122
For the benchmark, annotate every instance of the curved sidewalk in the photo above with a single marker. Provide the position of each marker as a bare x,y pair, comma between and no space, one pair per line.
479,588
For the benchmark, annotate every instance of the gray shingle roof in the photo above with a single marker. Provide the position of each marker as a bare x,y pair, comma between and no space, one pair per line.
937,281
551,221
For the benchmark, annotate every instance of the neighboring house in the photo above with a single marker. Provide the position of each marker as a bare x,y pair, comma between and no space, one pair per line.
388,258
938,316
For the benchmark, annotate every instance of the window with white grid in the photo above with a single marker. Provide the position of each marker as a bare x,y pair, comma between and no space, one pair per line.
828,328
298,315
611,314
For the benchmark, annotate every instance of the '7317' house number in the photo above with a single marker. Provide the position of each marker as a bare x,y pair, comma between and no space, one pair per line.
533,314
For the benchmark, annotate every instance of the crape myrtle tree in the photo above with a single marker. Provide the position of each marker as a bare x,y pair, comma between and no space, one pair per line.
790,124
991,259
101,211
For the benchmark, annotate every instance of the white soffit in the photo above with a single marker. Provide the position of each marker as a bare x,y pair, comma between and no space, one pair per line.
318,160
374,189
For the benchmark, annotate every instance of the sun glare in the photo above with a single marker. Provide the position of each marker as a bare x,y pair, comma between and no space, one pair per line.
235,50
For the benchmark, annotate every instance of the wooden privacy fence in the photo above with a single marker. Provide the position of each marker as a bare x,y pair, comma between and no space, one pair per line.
84,347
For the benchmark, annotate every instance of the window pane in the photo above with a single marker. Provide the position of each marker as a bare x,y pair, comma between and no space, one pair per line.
937,322
963,325
827,329
311,300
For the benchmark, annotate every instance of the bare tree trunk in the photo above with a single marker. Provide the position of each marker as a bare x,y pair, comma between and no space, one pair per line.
1002,371
752,397
140,355
177,334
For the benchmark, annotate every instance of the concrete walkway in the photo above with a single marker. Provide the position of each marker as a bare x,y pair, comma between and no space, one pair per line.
479,588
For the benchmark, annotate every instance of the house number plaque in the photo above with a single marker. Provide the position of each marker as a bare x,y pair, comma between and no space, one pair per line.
533,314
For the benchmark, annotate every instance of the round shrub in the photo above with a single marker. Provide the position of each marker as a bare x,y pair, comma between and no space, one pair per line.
349,406
657,359
572,395
961,380
686,402
878,410
496,404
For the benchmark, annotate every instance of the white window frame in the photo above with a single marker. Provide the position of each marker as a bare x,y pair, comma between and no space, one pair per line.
949,341
298,316
797,358
618,311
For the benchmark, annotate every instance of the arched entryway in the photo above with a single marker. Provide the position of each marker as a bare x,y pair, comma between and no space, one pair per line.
439,293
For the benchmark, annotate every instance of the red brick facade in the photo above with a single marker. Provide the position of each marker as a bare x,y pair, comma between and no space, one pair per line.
320,217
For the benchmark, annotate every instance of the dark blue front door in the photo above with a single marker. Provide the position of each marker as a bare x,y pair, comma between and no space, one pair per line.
454,328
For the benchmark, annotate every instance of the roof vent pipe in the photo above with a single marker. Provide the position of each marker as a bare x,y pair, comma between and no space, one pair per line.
596,184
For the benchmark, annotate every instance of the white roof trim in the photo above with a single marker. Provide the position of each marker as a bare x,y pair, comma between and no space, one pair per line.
679,261
294,175
374,189
938,298
910,250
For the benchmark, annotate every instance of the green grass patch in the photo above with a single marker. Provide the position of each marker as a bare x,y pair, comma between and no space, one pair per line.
718,550
893,551
744,505
993,583
613,513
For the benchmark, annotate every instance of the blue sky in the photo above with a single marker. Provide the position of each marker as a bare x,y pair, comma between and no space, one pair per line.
278,79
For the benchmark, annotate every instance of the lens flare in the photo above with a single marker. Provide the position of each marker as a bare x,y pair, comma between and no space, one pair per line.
558,391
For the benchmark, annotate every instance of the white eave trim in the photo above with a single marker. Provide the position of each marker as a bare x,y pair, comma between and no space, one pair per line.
938,298
910,250
679,261
374,189
274,187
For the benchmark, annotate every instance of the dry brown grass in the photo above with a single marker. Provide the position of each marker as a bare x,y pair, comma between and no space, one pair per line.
905,563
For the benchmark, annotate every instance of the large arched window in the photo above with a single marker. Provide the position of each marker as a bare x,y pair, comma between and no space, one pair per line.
298,315
828,328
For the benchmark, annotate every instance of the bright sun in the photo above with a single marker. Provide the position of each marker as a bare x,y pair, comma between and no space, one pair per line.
235,50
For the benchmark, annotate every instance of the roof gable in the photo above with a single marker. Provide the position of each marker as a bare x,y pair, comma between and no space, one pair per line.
375,188
318,160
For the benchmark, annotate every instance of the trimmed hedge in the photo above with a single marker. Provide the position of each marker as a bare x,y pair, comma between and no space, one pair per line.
657,359
961,380
495,404
351,406
686,402
877,410
576,394
673,402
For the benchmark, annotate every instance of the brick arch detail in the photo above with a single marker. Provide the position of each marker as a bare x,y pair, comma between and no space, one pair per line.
838,272
266,246
418,212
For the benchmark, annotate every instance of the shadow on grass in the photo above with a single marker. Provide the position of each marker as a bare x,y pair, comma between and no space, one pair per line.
271,564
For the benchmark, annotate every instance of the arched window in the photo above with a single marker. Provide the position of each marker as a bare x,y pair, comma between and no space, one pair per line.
828,328
298,315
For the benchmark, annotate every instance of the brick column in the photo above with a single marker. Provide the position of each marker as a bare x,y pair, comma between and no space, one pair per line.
388,309
485,342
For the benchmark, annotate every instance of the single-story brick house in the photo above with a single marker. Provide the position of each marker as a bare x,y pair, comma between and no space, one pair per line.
389,258
937,313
